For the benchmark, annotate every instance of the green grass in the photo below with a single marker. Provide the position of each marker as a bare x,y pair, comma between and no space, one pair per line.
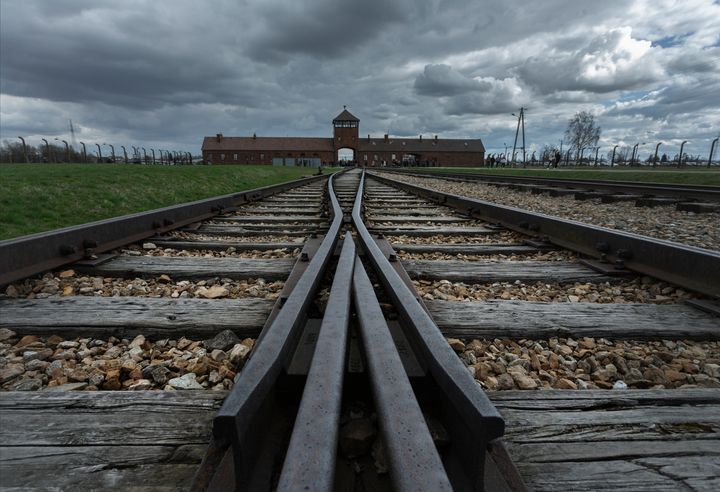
41,197
697,176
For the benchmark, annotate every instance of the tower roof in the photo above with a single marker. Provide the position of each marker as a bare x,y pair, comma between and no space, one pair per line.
345,116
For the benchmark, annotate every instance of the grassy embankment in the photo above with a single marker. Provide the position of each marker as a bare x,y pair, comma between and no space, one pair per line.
41,197
693,176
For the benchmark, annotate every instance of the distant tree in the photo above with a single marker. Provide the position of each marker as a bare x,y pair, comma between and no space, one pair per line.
664,158
582,132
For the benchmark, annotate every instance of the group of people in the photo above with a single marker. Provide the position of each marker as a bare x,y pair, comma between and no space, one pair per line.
499,160
495,160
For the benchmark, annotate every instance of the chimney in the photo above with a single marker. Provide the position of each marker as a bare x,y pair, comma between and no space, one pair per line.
254,136
435,138
368,137
219,137
421,138
386,138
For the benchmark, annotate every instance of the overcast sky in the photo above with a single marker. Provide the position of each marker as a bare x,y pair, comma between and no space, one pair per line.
163,74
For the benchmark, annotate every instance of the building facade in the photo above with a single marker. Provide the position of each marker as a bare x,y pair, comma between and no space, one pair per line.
345,145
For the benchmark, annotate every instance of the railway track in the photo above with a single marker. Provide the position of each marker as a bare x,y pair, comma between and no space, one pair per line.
692,198
375,362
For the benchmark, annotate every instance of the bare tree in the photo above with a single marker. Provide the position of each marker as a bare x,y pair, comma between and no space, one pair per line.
582,132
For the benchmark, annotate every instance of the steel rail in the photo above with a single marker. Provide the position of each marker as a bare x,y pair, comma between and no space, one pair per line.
687,266
236,423
473,419
694,192
35,253
413,459
311,456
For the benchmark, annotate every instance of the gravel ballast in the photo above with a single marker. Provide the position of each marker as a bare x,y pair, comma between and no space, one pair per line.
32,363
663,222
68,283
640,290
590,363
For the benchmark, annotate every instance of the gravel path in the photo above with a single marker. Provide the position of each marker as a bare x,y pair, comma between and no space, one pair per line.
589,363
640,290
702,230
32,363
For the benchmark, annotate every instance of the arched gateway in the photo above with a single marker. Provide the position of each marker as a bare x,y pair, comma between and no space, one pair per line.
346,141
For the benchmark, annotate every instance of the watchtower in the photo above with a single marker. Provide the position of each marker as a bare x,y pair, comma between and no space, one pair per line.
345,131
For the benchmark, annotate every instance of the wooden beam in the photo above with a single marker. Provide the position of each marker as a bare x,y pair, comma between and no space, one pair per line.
524,319
127,317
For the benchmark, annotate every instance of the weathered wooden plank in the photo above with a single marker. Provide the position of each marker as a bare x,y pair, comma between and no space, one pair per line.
160,477
418,219
104,440
616,476
194,267
264,227
610,450
229,230
130,316
223,245
122,456
431,211
579,400
620,440
467,249
103,418
524,319
432,231
281,209
503,271
250,219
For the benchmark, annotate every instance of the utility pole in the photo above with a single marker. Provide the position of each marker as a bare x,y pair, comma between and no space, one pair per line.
521,121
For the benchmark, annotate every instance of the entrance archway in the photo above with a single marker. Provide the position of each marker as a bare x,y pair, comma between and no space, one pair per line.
346,155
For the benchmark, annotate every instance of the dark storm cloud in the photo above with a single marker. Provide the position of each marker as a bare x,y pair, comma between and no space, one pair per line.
324,29
168,72
442,80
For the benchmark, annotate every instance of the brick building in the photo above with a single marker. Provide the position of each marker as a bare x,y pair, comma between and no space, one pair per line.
346,144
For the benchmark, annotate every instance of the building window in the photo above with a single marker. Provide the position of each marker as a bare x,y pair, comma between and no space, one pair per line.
235,156
222,157
393,157
338,137
262,157
375,157
365,157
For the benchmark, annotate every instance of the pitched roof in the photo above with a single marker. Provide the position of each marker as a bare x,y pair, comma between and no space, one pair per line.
269,144
346,116
414,145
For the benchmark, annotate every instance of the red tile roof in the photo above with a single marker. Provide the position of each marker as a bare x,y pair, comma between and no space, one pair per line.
415,145
268,144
